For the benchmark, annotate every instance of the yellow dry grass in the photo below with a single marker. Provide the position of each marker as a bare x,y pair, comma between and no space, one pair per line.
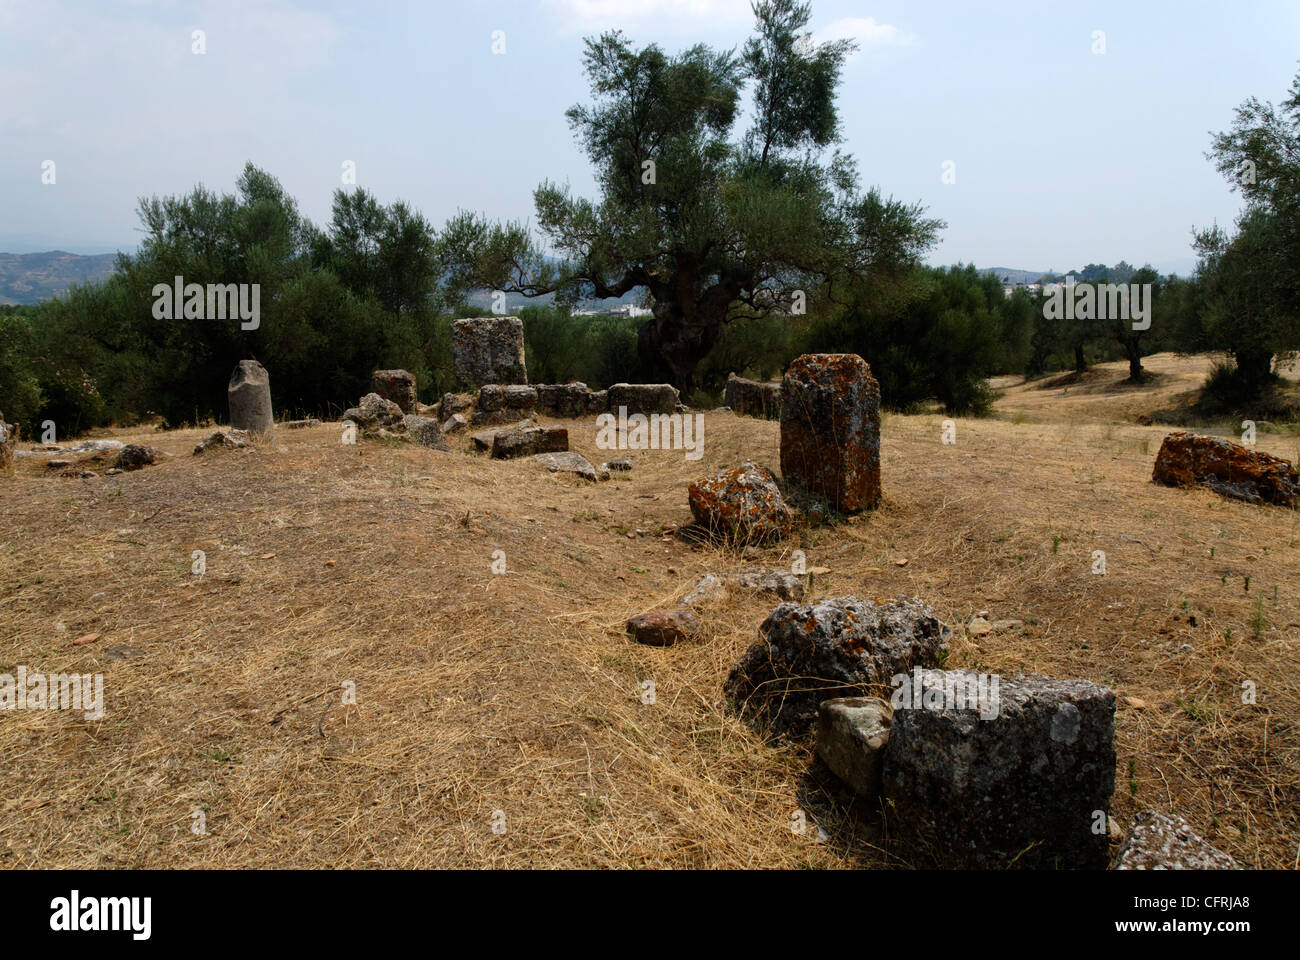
519,696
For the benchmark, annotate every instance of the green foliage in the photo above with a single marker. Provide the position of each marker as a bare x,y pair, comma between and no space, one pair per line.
70,399
1250,309
1252,277
334,306
1059,342
20,393
597,350
948,334
757,346
703,221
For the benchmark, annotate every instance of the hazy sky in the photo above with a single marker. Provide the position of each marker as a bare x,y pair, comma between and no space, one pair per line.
1062,156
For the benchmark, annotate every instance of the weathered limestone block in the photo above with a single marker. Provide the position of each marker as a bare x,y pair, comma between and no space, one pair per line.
989,772
484,439
454,403
249,393
567,400
1165,841
529,441
851,737
709,587
425,431
742,504
775,583
830,430
498,403
1188,459
228,439
495,397
489,350
750,398
376,416
571,462
397,386
818,651
135,456
643,397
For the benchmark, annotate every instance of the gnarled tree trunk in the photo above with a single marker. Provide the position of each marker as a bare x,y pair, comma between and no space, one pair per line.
1255,366
682,332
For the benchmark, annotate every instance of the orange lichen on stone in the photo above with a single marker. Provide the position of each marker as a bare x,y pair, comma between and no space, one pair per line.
830,430
743,503
1190,459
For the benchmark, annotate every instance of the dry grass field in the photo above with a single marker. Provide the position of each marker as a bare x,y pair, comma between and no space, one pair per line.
520,695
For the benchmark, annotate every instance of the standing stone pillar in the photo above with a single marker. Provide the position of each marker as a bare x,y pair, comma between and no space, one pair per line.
488,350
250,399
830,430
397,386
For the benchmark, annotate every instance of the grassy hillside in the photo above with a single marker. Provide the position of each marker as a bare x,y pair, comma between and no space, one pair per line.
29,278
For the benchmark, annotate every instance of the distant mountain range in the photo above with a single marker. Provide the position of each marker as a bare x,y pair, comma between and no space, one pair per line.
1014,276
32,277
1182,266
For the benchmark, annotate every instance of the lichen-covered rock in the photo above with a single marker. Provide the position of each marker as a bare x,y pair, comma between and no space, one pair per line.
504,403
455,423
375,416
98,449
709,587
743,504
249,394
830,430
495,396
397,386
135,456
301,424
842,647
454,403
528,441
425,431
1024,780
570,462
483,439
566,400
598,401
643,397
489,350
228,439
1164,841
663,629
750,398
773,583
1188,459
851,736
